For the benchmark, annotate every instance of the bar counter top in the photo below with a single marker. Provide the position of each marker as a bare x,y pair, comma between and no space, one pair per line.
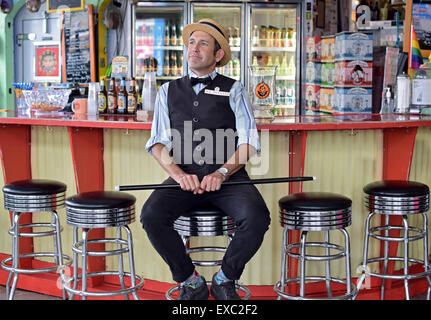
289,123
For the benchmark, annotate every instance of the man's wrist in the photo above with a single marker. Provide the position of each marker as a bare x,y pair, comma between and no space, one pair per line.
224,172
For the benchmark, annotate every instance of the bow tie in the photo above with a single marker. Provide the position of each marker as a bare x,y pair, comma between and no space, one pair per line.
195,81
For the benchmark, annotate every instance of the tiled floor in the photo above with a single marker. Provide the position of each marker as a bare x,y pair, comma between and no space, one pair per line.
27,295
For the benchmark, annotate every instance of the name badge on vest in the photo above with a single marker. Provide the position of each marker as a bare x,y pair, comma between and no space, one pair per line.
217,92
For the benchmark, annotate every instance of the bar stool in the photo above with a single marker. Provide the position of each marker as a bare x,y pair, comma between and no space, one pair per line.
207,221
315,211
101,209
396,198
34,195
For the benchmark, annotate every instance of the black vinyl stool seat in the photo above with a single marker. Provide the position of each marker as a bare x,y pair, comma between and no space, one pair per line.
102,209
33,195
205,221
315,211
396,198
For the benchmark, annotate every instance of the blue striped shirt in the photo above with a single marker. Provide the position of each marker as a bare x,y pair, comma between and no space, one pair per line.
239,102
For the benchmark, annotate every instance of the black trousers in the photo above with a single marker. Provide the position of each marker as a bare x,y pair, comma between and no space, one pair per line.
243,203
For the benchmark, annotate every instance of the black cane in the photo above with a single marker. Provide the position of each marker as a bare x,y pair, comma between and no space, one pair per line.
227,183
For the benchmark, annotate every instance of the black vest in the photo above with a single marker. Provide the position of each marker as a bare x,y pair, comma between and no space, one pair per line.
203,126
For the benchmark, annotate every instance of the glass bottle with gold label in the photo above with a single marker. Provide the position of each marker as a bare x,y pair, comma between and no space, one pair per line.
132,98
102,97
112,97
122,97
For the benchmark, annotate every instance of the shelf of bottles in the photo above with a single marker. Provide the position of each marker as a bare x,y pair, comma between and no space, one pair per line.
159,43
273,43
228,16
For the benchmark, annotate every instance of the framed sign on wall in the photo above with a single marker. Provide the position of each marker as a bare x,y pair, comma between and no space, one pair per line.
64,5
47,62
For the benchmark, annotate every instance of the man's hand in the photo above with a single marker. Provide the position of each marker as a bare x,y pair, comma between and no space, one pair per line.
212,182
189,182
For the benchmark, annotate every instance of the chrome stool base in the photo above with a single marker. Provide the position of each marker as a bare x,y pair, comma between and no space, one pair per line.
315,212
33,195
101,209
403,199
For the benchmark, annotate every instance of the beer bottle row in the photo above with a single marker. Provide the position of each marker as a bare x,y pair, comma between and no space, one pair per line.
173,34
122,99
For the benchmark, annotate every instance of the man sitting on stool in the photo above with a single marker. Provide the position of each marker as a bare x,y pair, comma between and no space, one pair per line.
205,104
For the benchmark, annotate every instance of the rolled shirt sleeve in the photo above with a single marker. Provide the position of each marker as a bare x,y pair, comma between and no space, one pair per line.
245,122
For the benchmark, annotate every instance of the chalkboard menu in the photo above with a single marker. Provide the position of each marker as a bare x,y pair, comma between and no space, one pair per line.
78,47
61,5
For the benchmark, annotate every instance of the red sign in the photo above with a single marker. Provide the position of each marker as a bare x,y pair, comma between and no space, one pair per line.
47,61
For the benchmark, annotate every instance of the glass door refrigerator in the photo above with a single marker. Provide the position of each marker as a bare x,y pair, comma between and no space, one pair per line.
229,15
261,33
273,33
158,44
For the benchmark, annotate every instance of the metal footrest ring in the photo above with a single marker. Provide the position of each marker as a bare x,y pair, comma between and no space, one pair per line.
394,276
66,261
68,281
347,296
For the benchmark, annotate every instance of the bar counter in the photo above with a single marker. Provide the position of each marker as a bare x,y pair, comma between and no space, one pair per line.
344,152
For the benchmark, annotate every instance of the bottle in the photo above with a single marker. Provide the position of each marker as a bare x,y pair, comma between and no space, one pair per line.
173,64
180,35
167,40
270,63
270,36
230,68
236,67
132,100
421,93
384,11
139,95
229,31
173,34
277,37
263,36
236,37
102,97
255,37
166,66
375,10
283,66
254,63
122,97
277,63
112,97
387,102
291,67
283,39
180,64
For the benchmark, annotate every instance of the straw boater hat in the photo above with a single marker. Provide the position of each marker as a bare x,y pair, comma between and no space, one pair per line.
214,29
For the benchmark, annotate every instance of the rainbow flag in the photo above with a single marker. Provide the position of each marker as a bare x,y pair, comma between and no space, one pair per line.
415,56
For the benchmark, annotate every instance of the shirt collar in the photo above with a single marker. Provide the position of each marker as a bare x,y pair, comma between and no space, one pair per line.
212,75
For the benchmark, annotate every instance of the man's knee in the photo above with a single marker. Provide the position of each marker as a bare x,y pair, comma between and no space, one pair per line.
256,220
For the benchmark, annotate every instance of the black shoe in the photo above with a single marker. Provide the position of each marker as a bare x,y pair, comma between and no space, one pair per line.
188,292
224,291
